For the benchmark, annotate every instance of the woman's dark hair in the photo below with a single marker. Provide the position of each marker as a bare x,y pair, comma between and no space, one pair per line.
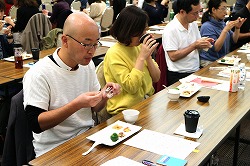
186,5
211,4
2,5
20,3
131,22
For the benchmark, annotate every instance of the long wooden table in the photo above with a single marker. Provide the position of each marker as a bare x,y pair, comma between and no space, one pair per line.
221,115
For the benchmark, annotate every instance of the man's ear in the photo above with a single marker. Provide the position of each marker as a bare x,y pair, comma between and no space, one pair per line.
64,40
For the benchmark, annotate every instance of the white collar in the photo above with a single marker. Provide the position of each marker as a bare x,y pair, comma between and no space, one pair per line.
59,61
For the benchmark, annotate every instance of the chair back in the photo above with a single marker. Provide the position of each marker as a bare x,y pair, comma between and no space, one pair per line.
12,12
51,39
48,6
161,61
76,5
107,19
102,115
46,1
18,146
38,27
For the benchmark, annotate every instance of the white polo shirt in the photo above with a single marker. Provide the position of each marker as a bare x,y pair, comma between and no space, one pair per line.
176,37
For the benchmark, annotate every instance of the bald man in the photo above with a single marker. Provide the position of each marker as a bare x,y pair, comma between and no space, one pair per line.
65,88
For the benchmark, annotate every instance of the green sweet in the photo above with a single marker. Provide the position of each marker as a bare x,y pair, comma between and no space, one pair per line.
114,137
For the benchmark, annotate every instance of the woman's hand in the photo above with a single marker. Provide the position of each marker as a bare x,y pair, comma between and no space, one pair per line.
239,22
148,46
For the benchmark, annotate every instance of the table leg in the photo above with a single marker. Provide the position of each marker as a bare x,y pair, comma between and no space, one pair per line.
236,146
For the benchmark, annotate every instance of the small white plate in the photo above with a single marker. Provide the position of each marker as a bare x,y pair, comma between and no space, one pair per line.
229,60
188,89
103,136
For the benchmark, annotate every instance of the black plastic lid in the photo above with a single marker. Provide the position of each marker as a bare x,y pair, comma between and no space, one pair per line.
192,113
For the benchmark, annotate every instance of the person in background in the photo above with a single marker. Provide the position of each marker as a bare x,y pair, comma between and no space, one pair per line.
58,7
174,7
8,5
213,26
128,62
69,2
181,41
26,9
239,4
96,10
6,46
244,36
156,11
65,87
83,4
118,5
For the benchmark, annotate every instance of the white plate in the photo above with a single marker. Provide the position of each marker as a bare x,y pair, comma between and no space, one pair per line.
188,89
228,60
103,136
245,47
25,56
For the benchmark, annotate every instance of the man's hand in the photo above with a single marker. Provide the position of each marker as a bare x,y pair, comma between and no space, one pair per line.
89,99
111,89
204,42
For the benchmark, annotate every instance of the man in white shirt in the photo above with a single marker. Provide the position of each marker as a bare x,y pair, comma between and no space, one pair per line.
181,40
62,90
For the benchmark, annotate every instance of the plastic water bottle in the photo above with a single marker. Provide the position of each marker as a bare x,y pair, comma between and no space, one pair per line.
242,79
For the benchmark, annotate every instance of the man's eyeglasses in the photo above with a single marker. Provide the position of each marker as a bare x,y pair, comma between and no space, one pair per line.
196,13
223,9
87,46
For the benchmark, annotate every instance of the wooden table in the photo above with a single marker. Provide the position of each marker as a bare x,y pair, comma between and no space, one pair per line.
4,80
221,115
7,69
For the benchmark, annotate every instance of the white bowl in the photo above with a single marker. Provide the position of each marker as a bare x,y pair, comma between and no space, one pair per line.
248,57
130,115
173,94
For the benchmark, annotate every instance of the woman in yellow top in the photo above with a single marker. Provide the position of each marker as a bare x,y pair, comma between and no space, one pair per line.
128,62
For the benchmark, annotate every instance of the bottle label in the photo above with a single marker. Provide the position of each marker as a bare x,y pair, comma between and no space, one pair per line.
234,80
